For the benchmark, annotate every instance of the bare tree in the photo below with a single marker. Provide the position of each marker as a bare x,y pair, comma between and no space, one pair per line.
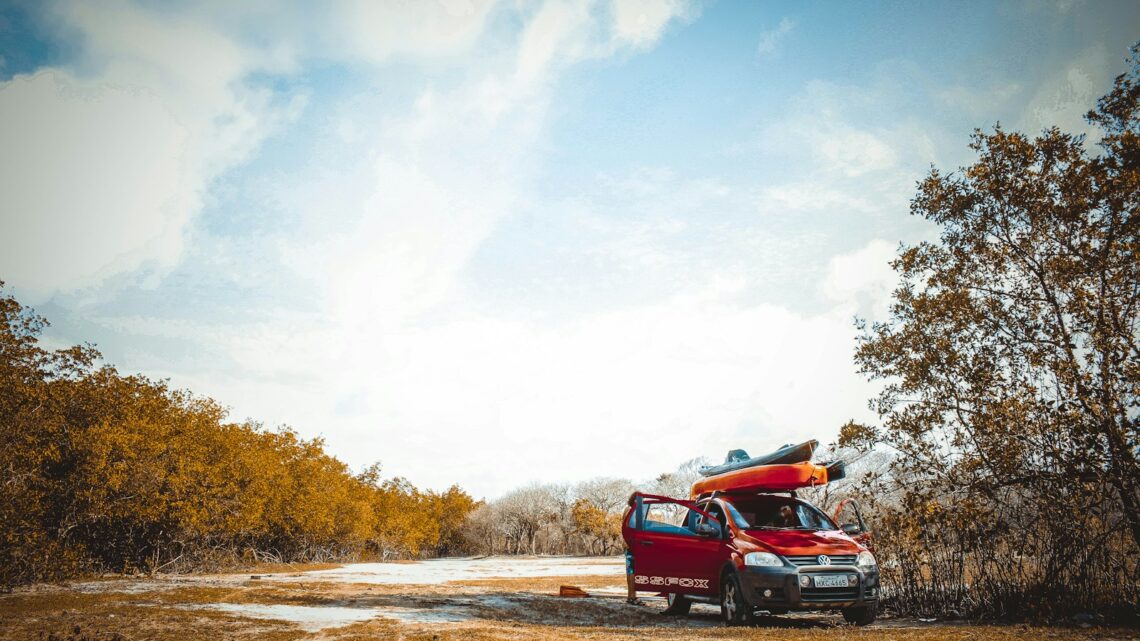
607,494
525,511
678,482
482,530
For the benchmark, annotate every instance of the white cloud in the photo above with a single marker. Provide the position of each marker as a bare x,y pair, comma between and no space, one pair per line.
850,151
770,40
378,31
819,127
456,164
106,165
640,23
415,233
564,32
287,34
113,156
628,392
1067,94
557,29
94,180
690,376
980,102
798,197
162,101
862,281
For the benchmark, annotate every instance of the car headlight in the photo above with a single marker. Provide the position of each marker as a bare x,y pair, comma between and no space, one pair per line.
865,560
762,559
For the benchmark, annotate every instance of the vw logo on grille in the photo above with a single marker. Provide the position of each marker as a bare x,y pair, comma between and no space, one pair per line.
824,559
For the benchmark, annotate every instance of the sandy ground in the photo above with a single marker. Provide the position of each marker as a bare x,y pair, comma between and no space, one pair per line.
487,598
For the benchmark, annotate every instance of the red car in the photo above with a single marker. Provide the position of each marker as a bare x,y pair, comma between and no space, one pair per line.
751,552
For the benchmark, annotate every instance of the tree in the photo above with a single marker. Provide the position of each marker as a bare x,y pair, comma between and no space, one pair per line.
525,512
1010,359
450,511
678,482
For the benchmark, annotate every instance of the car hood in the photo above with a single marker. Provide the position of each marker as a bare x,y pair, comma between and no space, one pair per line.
802,542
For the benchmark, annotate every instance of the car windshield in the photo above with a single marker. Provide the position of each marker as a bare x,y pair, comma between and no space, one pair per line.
766,511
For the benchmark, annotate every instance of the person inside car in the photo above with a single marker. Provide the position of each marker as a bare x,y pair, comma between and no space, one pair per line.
787,517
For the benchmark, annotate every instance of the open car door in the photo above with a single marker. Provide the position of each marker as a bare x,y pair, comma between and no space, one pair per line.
675,545
850,520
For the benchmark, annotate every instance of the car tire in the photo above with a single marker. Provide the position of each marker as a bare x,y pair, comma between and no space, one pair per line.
734,608
678,604
861,615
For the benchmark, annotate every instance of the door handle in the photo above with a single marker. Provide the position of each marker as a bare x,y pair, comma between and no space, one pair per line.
647,542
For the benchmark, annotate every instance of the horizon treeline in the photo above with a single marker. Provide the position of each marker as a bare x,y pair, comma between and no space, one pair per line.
104,472
558,518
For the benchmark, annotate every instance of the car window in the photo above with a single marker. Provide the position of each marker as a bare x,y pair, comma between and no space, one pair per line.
812,519
738,518
778,512
665,514
667,518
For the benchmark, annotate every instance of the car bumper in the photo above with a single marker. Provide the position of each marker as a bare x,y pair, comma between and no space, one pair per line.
780,588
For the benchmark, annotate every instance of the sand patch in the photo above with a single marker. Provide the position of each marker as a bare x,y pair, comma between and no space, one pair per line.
308,618
437,571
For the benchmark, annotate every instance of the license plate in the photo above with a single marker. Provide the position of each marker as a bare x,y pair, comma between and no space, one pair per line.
831,581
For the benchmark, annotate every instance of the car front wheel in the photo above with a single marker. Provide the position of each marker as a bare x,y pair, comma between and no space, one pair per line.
678,604
734,609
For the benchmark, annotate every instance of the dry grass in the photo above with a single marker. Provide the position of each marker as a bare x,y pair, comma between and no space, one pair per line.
99,620
486,632
514,609
280,568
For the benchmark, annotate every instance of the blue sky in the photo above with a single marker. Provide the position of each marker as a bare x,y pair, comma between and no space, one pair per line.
489,243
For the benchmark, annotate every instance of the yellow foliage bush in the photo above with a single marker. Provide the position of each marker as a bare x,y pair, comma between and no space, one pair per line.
106,472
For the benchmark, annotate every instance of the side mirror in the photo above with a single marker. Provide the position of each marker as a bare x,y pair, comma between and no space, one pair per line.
850,529
707,529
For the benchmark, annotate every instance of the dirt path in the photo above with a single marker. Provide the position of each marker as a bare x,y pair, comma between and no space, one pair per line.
496,598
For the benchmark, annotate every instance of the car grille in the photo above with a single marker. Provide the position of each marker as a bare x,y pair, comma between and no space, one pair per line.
836,559
818,595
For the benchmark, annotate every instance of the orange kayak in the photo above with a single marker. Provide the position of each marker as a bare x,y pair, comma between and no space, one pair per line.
763,478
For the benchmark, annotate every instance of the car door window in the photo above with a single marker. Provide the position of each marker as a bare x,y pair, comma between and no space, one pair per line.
667,518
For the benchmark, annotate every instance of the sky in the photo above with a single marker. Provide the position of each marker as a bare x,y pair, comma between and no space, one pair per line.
490,243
